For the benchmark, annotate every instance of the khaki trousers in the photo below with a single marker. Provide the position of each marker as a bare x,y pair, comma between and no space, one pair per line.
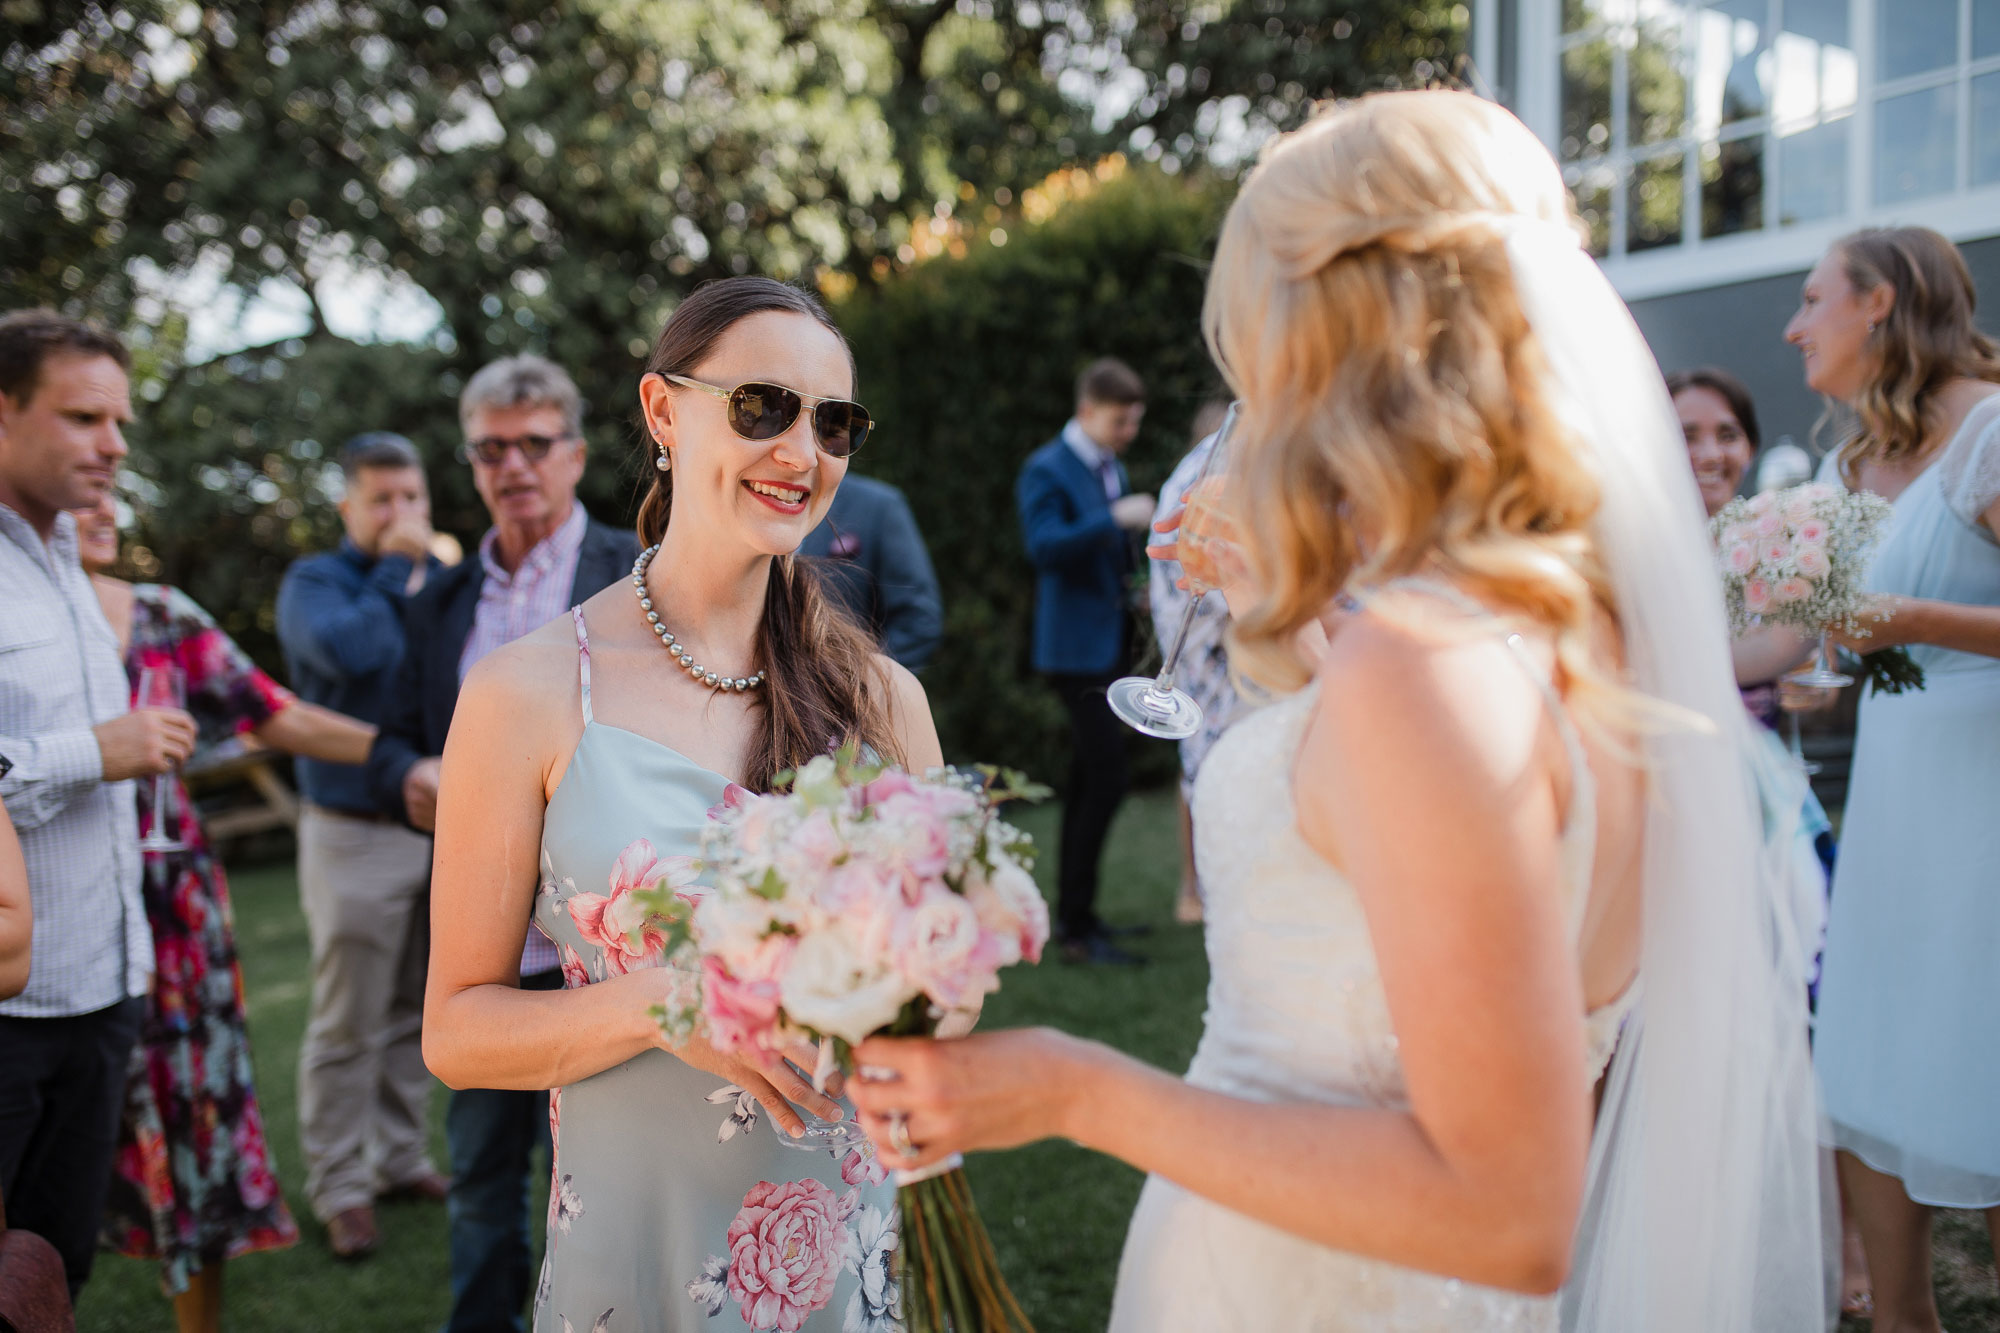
364,1093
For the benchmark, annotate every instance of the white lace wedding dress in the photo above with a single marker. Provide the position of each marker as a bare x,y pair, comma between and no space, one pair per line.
1296,1011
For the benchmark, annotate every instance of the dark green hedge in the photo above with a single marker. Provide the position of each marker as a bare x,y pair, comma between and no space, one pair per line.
971,363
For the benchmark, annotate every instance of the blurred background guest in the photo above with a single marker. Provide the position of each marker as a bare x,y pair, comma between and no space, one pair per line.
1077,519
75,744
1908,1045
194,1185
876,565
523,423
1204,665
1719,421
364,1094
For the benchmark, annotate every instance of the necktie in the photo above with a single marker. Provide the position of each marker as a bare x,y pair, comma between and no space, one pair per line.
1107,473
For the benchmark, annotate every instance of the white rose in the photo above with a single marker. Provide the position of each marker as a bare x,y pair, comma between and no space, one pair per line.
831,987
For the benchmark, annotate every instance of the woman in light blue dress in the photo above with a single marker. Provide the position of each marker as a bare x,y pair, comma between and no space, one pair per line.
1908,1046
582,762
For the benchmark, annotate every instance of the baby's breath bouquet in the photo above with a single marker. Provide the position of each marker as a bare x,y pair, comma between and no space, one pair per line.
1797,557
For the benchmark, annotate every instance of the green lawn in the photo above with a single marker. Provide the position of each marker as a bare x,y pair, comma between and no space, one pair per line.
1057,1213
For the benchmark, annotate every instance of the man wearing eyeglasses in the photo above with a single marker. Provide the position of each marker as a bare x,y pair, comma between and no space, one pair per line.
524,442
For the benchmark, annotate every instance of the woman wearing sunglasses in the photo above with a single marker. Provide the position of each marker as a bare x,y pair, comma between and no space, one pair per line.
582,762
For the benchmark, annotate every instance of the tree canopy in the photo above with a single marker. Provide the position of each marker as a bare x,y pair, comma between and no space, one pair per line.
402,190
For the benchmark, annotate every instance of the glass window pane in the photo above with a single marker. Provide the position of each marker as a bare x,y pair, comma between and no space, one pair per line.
1653,204
1914,135
1732,186
1733,66
1591,189
1586,99
1816,67
1812,170
1912,36
1985,28
1656,85
1986,129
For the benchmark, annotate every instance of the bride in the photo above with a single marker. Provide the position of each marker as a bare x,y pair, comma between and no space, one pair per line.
1506,813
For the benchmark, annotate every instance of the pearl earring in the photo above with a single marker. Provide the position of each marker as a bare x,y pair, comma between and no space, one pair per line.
664,463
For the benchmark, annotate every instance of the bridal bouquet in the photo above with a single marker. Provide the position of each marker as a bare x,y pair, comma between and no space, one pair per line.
859,900
1797,557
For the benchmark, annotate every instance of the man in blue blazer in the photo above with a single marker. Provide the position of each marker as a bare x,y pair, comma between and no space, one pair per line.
1078,518
877,567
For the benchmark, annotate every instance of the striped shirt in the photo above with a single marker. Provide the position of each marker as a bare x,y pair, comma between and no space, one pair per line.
61,676
511,605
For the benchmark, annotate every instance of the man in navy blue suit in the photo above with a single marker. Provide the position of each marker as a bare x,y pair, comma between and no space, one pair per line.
1078,519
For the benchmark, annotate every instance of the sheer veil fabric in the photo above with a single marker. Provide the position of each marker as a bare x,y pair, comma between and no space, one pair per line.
1706,1207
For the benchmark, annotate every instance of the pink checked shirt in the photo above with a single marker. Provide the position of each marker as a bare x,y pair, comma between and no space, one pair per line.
510,605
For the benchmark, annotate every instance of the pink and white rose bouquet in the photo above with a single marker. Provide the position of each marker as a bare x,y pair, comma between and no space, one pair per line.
855,900
1798,557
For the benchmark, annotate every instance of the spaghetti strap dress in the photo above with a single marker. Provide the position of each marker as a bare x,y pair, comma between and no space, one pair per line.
674,1204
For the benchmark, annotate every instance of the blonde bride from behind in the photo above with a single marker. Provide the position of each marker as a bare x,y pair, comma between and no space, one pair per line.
1502,824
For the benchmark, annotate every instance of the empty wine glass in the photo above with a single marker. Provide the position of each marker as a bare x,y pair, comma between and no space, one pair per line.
162,686
1154,704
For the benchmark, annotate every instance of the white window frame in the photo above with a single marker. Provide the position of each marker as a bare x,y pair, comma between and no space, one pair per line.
1964,213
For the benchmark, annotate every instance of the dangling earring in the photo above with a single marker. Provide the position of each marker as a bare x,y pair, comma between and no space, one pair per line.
664,462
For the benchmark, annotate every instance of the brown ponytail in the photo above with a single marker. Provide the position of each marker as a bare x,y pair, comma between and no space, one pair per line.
822,685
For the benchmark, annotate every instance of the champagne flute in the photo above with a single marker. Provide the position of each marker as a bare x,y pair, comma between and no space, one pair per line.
162,686
1155,705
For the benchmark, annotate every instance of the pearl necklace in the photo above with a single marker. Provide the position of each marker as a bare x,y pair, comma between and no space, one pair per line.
674,649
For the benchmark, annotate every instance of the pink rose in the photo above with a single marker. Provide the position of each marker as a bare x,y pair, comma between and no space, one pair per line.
894,782
1009,903
1740,534
936,946
862,1167
808,852
1770,525
1787,591
1757,596
1776,551
1761,503
740,998
1812,561
1812,532
1741,559
787,1249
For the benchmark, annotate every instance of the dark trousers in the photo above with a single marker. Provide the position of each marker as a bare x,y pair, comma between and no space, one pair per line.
62,1090
493,1135
1097,780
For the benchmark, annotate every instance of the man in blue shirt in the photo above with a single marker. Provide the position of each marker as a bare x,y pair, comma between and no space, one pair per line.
1078,521
364,877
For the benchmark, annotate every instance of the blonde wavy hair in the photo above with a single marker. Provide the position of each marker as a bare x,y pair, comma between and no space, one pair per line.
1927,340
1363,307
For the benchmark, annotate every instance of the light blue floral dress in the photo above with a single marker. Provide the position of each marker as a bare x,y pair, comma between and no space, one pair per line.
674,1206
1908,1045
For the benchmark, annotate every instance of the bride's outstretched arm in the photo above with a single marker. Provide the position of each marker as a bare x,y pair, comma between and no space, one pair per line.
1427,777
509,732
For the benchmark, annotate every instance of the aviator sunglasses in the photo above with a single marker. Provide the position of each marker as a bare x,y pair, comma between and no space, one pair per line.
759,411
491,449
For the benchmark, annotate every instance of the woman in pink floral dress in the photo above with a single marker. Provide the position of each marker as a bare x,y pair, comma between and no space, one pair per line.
582,762
193,1185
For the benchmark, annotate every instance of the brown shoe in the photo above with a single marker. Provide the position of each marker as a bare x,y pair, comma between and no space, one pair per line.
430,1187
351,1233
